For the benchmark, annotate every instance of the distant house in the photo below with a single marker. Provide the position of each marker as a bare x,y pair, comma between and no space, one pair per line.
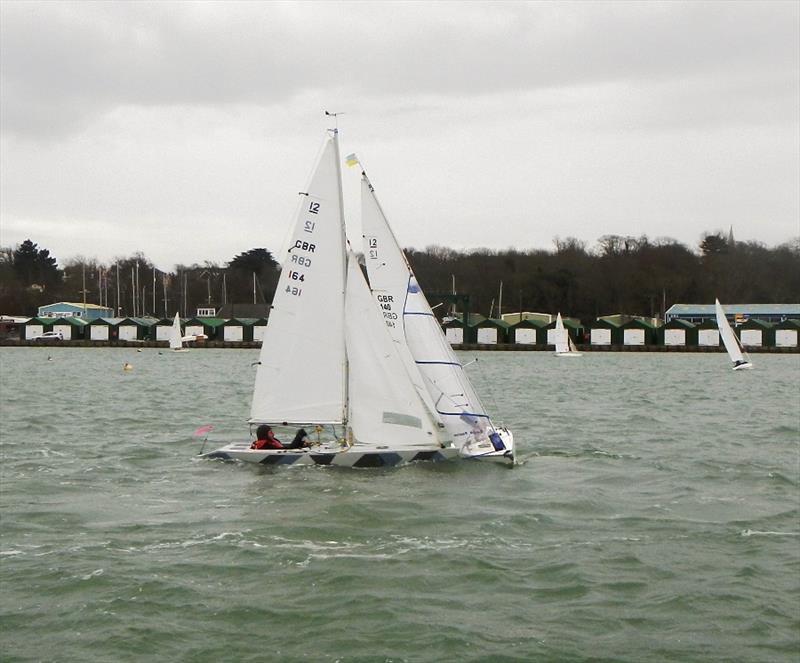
242,311
735,312
86,312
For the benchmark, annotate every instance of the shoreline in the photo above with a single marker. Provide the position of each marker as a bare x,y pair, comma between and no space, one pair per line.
467,347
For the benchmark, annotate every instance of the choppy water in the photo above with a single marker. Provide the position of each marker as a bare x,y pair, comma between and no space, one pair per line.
656,516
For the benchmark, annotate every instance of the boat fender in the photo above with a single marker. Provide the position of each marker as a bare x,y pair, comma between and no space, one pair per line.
497,441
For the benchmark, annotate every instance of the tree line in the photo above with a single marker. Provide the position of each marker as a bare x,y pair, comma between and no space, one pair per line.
621,274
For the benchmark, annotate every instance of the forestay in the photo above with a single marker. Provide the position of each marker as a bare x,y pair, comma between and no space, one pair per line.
301,373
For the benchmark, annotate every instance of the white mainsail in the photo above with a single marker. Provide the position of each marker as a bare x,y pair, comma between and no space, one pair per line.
301,373
384,408
560,338
411,321
729,338
175,336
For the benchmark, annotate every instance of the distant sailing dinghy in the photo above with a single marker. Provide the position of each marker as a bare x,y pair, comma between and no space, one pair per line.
732,343
176,337
328,363
564,345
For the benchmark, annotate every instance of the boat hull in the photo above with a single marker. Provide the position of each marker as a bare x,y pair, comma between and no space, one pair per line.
356,456
484,451
742,367
568,354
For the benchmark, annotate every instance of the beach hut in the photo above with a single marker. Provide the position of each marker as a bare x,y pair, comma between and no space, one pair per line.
756,333
638,332
162,329
458,333
528,332
102,329
72,329
491,331
34,327
237,330
786,334
574,330
204,326
708,334
259,329
677,332
134,329
605,332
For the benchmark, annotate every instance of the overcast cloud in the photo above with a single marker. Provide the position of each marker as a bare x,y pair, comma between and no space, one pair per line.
185,130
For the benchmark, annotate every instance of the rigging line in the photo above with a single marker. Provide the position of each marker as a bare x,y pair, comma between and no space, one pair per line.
491,392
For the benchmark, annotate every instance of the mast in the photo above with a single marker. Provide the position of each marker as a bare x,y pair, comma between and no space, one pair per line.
346,372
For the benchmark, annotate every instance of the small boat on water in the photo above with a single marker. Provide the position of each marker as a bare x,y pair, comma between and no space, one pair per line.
733,345
176,337
564,345
330,361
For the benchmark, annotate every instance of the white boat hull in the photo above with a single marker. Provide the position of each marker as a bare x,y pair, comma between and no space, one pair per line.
742,367
355,456
365,455
568,354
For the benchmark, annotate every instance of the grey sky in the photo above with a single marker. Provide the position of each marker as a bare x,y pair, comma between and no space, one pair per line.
185,130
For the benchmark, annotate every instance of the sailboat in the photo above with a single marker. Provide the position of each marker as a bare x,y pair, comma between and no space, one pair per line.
430,361
176,337
732,344
563,342
328,362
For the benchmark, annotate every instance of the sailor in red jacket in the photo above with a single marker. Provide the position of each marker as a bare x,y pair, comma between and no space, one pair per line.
265,439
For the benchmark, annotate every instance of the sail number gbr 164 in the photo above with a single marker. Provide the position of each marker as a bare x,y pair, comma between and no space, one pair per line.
297,275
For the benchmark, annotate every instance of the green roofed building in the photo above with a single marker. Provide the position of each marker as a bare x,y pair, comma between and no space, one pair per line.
767,312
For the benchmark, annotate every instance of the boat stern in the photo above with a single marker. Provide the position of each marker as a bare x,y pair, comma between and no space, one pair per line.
497,448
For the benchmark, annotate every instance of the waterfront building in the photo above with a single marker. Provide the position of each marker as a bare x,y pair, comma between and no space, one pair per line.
86,312
736,313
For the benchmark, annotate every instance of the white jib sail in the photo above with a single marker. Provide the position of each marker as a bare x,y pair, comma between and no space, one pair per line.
727,334
384,407
560,338
403,304
301,374
175,336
